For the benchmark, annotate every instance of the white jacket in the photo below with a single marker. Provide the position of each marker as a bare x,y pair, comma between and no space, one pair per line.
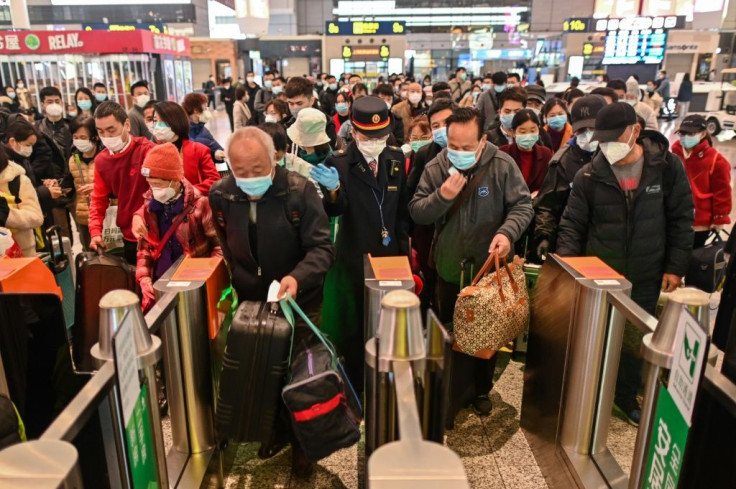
23,217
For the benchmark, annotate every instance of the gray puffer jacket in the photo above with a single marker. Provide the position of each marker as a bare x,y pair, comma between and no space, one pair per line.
500,203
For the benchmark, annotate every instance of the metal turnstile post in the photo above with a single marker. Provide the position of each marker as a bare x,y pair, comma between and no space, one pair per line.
45,463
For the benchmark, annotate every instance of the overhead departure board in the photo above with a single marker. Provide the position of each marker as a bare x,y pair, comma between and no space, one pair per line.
624,47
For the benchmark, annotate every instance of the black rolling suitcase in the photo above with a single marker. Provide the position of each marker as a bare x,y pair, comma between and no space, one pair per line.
253,373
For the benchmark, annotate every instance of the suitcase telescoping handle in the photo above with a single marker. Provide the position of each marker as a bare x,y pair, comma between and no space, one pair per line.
58,261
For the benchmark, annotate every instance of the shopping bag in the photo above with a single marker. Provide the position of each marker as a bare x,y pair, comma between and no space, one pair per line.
493,309
112,235
324,409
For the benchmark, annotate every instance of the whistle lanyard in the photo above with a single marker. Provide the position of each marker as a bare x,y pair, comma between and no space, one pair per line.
385,236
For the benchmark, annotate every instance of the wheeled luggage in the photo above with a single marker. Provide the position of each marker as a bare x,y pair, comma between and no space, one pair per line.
253,372
59,261
97,274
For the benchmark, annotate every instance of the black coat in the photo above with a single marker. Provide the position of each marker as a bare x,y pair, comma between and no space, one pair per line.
419,161
552,197
359,233
227,95
327,100
283,248
652,238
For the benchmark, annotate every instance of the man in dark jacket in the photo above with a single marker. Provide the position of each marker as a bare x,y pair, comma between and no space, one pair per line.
227,95
552,198
493,216
366,185
328,96
51,154
252,88
260,245
632,207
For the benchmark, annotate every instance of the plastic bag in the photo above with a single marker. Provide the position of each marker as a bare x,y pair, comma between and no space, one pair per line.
112,235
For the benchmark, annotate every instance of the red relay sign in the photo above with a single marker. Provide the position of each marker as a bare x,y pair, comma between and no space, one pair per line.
93,42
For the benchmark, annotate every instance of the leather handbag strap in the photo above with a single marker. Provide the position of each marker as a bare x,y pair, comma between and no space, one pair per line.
494,260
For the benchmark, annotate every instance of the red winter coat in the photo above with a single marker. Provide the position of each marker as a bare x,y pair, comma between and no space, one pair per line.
710,180
540,160
196,234
199,168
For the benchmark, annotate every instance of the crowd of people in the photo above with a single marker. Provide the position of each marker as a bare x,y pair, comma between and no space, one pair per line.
324,170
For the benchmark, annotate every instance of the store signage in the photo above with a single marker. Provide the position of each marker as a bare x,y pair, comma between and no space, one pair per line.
92,41
593,49
368,28
684,48
578,24
383,52
153,27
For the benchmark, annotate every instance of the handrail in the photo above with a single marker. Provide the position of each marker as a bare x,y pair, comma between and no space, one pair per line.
72,419
633,312
77,413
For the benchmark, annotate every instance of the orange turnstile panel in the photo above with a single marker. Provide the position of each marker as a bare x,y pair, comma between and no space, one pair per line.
27,276
213,271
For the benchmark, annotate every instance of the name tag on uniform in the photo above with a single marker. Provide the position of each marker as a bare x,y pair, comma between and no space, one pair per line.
392,188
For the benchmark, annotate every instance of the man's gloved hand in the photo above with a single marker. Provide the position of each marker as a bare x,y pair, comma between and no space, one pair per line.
542,249
326,176
4,211
148,296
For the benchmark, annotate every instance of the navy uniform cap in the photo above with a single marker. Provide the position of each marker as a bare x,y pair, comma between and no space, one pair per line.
370,116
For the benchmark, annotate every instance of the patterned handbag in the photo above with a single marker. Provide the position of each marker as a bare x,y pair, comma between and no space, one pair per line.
493,309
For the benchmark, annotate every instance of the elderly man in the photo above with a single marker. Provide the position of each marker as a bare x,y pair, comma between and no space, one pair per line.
272,226
476,197
412,107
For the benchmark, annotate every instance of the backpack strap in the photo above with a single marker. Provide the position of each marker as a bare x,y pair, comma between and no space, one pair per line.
294,201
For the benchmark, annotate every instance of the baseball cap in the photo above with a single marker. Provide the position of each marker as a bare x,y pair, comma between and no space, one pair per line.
612,120
535,92
585,110
693,123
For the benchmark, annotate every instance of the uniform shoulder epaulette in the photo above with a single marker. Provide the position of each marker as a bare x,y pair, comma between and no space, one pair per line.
339,152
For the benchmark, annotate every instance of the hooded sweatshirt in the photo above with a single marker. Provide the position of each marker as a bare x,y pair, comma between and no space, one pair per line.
642,109
24,212
500,203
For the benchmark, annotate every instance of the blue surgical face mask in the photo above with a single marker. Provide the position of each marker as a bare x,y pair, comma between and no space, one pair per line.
557,122
526,141
499,88
506,120
101,97
277,89
332,86
72,114
342,108
255,186
485,87
689,141
439,136
462,160
12,95
84,104
267,83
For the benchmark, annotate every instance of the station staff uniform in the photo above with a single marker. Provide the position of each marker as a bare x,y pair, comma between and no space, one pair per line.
372,204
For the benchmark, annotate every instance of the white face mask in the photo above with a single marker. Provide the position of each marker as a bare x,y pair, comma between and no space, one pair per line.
142,100
584,142
84,145
372,148
150,126
271,118
114,143
54,110
630,101
388,104
415,98
205,116
616,151
25,151
163,134
250,79
165,194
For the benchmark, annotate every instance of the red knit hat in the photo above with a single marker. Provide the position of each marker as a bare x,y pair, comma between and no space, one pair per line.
163,161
